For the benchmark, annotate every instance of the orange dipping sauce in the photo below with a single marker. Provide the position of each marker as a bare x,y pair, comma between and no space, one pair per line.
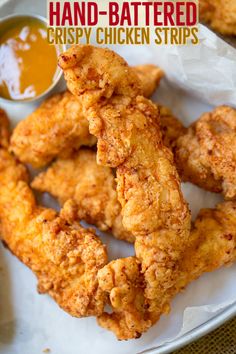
28,63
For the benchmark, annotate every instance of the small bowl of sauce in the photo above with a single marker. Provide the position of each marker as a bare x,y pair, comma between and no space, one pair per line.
28,63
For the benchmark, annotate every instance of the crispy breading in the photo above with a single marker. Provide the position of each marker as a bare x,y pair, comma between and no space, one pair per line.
212,244
129,138
4,129
64,256
171,127
67,173
206,154
220,14
123,282
150,76
92,187
58,127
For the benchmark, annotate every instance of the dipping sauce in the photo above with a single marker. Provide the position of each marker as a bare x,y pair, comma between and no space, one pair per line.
28,63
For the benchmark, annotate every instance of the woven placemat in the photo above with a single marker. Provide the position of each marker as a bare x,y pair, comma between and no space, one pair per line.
220,341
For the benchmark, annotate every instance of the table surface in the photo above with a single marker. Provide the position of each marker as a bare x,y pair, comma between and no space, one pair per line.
220,341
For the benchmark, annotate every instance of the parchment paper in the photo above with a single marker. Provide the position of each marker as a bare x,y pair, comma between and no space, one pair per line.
30,323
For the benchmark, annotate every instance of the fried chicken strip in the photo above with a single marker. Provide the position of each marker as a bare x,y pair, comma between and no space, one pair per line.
212,244
124,284
64,256
149,76
171,127
4,129
129,138
92,187
58,127
220,14
206,154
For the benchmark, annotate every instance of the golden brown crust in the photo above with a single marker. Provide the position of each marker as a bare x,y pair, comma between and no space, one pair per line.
171,127
149,76
91,186
59,127
69,261
220,14
122,281
56,128
147,188
64,256
129,138
206,154
212,244
4,129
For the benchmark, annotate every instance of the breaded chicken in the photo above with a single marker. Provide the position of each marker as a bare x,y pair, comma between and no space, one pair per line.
150,77
220,14
123,282
129,138
212,244
4,129
171,127
64,256
92,187
82,179
58,127
206,154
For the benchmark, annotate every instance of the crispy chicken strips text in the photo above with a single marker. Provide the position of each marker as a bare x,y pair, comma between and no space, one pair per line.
58,127
127,128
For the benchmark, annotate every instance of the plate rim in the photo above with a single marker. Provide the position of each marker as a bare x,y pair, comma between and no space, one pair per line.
196,333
